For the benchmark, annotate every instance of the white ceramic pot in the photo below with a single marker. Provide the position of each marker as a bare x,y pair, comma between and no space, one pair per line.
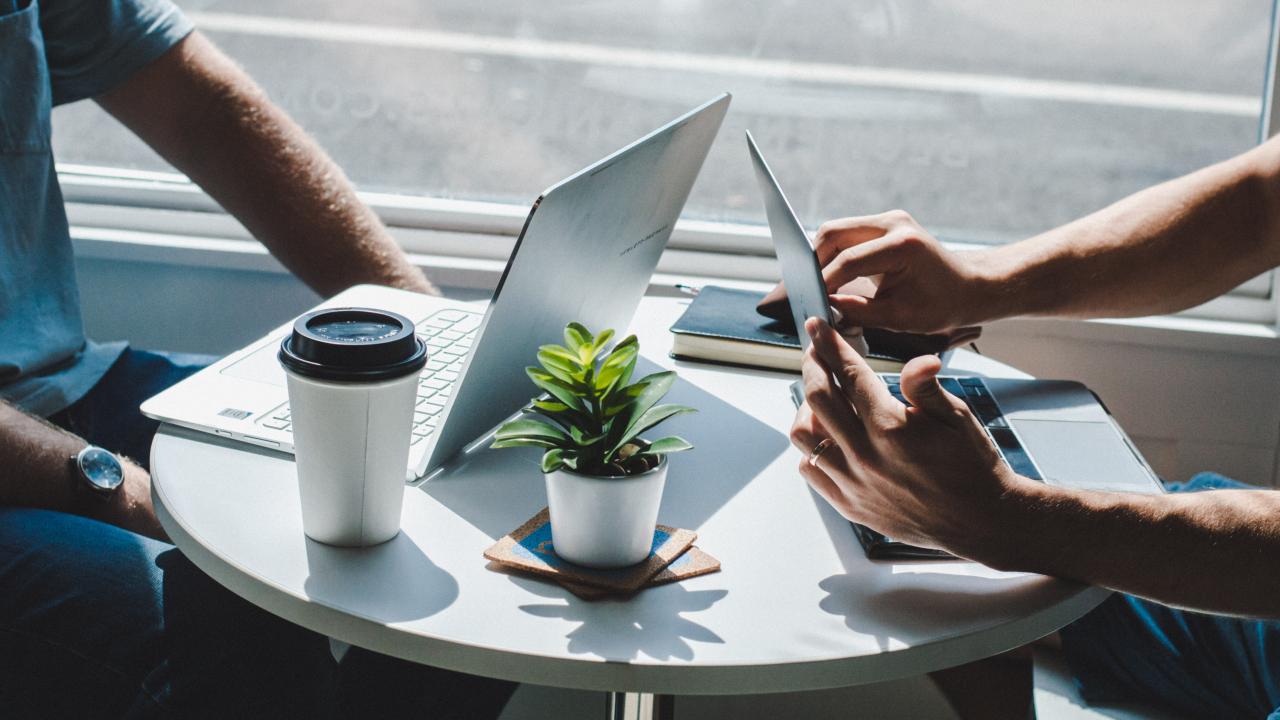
604,522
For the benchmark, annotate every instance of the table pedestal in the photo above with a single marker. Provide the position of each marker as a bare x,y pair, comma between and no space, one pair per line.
639,706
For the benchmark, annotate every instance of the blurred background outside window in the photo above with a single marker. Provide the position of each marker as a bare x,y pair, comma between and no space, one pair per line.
989,120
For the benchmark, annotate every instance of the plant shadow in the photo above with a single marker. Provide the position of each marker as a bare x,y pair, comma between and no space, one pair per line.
653,624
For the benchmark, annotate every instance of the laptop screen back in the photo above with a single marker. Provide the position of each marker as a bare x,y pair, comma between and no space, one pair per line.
586,254
806,290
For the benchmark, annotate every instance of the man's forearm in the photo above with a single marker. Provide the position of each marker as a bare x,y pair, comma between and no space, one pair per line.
1210,551
1164,249
35,458
36,463
212,122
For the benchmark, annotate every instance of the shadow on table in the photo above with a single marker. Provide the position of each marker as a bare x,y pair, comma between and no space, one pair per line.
497,490
394,581
909,606
907,600
656,629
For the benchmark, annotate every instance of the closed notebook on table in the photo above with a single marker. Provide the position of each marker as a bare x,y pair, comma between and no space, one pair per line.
722,325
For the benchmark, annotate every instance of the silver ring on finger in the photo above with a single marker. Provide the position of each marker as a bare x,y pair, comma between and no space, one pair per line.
818,449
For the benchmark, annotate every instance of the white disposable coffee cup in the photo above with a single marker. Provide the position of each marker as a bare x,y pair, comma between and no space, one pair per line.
352,376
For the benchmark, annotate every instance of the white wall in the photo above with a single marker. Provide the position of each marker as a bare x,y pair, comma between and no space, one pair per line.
1191,403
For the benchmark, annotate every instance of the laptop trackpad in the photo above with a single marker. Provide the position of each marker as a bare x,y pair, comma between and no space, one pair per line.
1084,456
260,365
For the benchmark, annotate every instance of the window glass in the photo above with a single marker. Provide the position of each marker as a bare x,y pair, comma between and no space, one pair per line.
988,119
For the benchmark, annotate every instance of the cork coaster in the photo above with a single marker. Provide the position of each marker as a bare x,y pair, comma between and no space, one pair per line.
529,549
692,563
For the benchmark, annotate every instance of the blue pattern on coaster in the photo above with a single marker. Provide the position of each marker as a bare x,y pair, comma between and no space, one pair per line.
529,548
538,546
680,562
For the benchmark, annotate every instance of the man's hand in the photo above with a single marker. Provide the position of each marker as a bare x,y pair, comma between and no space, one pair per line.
921,286
926,475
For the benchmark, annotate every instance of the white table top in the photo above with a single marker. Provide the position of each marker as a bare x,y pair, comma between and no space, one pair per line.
797,605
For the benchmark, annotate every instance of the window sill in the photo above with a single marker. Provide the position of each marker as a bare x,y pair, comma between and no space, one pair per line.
678,266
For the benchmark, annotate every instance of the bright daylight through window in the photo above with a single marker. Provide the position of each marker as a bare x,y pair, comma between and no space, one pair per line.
988,120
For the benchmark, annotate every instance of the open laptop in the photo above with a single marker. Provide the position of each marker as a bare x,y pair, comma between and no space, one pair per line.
1055,431
587,252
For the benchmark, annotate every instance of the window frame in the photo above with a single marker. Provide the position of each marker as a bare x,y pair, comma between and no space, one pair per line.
472,239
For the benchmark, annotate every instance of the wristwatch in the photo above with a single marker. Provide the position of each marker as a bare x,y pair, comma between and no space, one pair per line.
97,470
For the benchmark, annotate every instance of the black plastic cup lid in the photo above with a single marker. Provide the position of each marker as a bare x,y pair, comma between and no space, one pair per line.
353,345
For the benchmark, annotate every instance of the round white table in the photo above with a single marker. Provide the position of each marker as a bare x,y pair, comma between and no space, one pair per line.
797,606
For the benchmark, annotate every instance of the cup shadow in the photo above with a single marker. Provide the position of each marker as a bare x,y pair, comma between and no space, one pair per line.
497,490
394,581
657,630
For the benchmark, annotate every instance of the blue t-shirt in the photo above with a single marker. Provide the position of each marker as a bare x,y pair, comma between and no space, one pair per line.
54,52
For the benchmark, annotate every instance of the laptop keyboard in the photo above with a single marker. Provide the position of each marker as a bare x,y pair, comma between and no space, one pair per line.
976,395
448,335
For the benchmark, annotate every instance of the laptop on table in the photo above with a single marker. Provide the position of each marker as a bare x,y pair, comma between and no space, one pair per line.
587,251
1054,431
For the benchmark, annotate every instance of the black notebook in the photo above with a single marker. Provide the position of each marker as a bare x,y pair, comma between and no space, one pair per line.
879,547
722,326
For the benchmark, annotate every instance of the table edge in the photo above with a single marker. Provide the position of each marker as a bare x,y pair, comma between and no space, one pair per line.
596,674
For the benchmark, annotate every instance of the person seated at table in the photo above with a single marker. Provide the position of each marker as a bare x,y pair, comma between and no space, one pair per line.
99,617
1193,625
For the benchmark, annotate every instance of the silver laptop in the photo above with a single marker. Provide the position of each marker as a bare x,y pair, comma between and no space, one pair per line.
587,252
1055,431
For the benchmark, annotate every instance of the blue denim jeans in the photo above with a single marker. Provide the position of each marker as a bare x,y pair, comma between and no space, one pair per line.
1194,664
96,621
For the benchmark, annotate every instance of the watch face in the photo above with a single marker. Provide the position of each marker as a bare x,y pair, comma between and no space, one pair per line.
101,469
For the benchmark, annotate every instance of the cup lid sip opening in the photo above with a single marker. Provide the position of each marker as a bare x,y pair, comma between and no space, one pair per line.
354,345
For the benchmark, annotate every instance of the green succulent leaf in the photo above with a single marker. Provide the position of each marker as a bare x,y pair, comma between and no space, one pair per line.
559,413
522,442
630,341
583,438
621,397
531,429
594,416
655,386
559,351
650,418
616,369
548,406
667,445
558,388
601,341
554,459
568,371
632,403
576,337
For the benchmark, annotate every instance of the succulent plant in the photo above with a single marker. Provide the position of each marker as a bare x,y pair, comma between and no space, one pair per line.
594,415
